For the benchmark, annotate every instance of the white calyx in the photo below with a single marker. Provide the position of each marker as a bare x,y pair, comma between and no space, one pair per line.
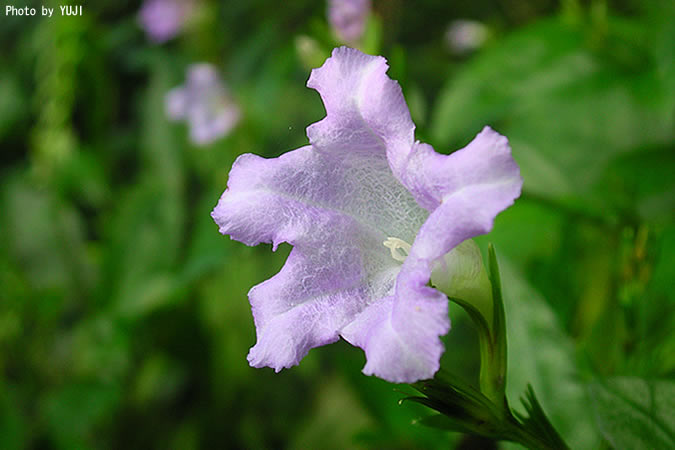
400,249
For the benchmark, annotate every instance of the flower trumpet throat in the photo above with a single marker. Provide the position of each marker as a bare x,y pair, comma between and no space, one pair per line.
459,274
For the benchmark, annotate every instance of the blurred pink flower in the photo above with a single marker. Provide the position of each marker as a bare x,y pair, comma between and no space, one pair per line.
464,36
348,18
163,19
205,103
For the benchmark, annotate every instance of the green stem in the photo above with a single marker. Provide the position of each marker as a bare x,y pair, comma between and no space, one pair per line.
486,412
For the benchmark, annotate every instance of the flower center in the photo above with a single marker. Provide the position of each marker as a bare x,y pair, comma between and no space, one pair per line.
398,247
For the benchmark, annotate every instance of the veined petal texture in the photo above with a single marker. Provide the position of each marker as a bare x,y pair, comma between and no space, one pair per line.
336,213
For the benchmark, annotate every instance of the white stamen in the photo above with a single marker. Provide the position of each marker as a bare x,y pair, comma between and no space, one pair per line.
399,248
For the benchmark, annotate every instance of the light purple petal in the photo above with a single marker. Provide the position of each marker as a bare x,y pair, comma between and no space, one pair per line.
366,112
400,338
304,306
469,188
365,109
277,200
484,165
465,190
362,181
336,214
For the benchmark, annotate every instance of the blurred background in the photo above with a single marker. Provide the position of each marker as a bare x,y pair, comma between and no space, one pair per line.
124,319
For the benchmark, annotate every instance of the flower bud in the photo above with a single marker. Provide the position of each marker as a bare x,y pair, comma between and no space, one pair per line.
461,274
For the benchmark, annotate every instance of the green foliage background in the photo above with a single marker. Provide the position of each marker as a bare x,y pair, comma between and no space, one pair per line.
124,321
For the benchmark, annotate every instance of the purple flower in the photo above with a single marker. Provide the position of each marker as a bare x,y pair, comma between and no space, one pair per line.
369,212
205,103
348,18
163,19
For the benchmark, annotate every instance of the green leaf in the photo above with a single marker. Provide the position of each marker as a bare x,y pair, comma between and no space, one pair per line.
499,358
147,229
45,236
392,428
634,412
73,412
141,253
443,422
540,354
536,421
13,106
561,157
511,74
536,84
337,419
12,423
455,400
640,183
